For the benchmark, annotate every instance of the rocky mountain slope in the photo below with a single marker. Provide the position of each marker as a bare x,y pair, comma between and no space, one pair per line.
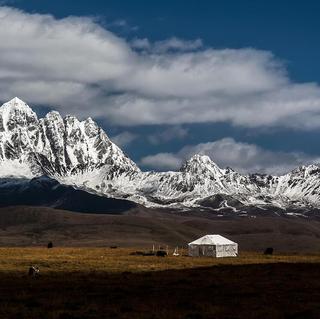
79,153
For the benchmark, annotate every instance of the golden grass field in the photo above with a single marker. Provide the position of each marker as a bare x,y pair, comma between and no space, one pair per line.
119,260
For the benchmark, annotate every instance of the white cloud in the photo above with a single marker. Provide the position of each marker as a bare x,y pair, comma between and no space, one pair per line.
141,44
243,157
78,67
124,138
162,161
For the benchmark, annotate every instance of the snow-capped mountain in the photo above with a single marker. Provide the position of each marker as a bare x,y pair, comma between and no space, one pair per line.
55,146
79,153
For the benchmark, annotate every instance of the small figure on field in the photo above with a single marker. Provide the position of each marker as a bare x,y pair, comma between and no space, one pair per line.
268,251
34,271
50,244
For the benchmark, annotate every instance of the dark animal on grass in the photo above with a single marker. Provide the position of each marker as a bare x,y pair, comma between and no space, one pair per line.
161,253
113,247
268,251
34,271
50,244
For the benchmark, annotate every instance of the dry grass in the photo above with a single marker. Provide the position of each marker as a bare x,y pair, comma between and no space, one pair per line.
98,283
120,260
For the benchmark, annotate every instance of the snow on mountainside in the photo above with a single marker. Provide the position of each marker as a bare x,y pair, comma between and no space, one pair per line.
79,153
54,146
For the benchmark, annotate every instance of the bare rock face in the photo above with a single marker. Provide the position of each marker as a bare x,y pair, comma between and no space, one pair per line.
79,153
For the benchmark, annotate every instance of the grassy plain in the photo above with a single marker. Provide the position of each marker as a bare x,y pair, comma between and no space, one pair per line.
110,260
92,283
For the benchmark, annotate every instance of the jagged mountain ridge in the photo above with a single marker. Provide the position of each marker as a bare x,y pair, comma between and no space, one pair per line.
53,145
79,153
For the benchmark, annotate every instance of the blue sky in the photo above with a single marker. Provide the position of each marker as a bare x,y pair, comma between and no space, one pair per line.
237,80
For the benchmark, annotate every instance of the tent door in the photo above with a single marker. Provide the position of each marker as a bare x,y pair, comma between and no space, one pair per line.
201,251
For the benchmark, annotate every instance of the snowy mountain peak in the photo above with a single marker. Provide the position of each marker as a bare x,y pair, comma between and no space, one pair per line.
55,115
199,158
305,171
16,103
200,164
55,146
90,120
16,113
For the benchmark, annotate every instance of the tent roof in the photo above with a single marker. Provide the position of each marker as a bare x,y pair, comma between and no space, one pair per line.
212,240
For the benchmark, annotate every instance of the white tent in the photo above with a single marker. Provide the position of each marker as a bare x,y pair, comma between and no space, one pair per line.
213,246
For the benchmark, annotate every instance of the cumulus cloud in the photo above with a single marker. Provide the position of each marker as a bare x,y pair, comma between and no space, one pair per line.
162,161
78,67
141,44
243,157
124,138
171,133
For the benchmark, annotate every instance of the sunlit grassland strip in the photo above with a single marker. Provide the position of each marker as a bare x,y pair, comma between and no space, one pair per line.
119,260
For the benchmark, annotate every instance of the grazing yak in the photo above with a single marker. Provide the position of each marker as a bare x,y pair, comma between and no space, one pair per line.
268,251
161,253
34,271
